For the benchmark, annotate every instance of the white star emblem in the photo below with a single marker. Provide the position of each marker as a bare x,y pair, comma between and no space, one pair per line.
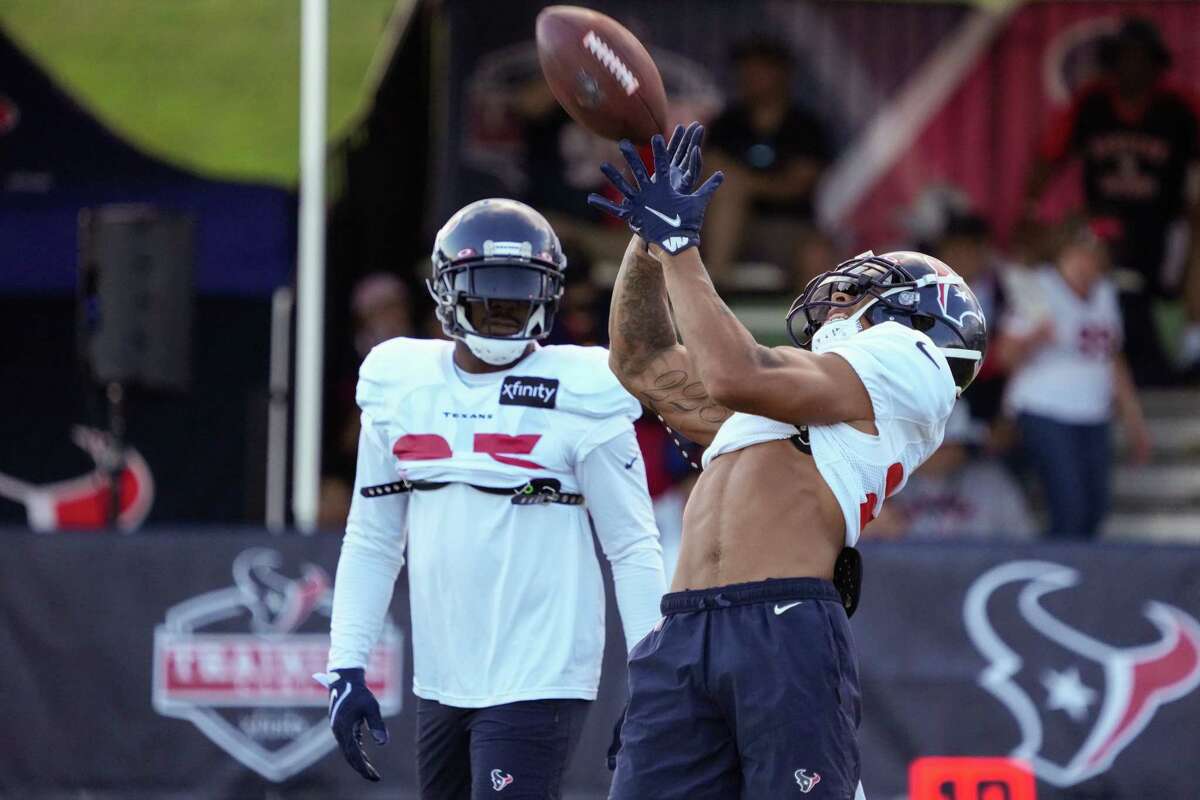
1067,692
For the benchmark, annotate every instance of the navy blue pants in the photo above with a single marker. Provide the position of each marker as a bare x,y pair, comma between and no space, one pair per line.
749,691
1073,463
512,750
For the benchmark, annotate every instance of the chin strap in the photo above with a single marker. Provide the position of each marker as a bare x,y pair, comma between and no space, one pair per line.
496,352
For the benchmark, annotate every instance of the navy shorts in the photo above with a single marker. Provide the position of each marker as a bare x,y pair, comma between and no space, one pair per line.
518,749
749,691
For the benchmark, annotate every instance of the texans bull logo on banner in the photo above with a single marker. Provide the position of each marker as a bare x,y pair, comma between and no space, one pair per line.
1078,701
83,503
238,663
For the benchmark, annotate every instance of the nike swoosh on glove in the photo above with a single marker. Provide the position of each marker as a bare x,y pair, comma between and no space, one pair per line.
351,704
663,208
685,163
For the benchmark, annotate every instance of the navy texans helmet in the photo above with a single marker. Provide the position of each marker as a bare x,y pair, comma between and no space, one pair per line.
490,250
913,289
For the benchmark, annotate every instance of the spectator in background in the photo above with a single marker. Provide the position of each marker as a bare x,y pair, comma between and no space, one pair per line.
965,244
562,160
380,306
1137,137
957,494
773,154
670,477
582,316
1061,342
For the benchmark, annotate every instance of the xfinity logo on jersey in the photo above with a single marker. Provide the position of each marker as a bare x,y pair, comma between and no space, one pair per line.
532,392
236,662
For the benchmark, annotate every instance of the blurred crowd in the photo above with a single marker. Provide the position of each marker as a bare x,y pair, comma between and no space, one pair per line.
1083,311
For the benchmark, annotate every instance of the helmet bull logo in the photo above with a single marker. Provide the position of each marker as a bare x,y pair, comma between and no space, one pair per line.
1078,701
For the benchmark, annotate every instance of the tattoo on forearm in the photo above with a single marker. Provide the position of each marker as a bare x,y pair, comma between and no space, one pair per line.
673,391
641,316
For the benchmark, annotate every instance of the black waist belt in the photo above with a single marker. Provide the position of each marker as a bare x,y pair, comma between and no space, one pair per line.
534,492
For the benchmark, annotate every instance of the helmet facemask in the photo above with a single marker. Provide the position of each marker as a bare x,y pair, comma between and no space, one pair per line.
479,290
869,277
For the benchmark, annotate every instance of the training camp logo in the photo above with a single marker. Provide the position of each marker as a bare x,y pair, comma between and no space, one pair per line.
532,392
1078,701
238,663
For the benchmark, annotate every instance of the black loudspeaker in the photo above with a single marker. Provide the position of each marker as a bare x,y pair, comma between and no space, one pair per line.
136,295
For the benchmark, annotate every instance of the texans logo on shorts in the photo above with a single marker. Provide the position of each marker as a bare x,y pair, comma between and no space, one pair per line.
805,781
500,779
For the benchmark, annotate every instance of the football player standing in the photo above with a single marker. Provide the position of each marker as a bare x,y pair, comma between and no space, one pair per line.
482,457
749,688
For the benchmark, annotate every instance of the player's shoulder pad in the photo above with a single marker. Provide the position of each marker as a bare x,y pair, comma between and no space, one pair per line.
587,386
395,368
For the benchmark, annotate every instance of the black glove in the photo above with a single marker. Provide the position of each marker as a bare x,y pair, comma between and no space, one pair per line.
350,705
663,208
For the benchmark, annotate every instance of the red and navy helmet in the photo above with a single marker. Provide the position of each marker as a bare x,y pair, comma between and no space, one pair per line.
910,288
497,249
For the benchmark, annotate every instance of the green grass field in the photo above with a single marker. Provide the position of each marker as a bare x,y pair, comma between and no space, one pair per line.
209,85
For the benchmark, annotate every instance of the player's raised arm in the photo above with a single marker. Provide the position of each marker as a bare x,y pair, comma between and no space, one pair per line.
647,357
733,370
645,353
782,383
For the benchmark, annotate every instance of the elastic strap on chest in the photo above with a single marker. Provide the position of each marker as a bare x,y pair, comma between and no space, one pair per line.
847,577
535,491
800,440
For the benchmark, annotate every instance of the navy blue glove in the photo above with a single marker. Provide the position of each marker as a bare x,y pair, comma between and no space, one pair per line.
350,705
684,152
662,208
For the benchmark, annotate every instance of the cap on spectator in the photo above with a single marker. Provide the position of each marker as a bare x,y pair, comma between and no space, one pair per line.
764,47
1135,32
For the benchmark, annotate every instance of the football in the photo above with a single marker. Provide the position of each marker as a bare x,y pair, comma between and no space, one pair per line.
600,73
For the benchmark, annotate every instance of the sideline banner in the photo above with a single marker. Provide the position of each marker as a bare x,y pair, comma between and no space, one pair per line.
179,663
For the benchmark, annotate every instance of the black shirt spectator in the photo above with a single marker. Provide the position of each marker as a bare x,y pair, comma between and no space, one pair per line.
1135,159
798,136
773,154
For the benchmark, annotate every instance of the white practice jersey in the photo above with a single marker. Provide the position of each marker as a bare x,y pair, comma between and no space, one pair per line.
1071,378
507,600
912,393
